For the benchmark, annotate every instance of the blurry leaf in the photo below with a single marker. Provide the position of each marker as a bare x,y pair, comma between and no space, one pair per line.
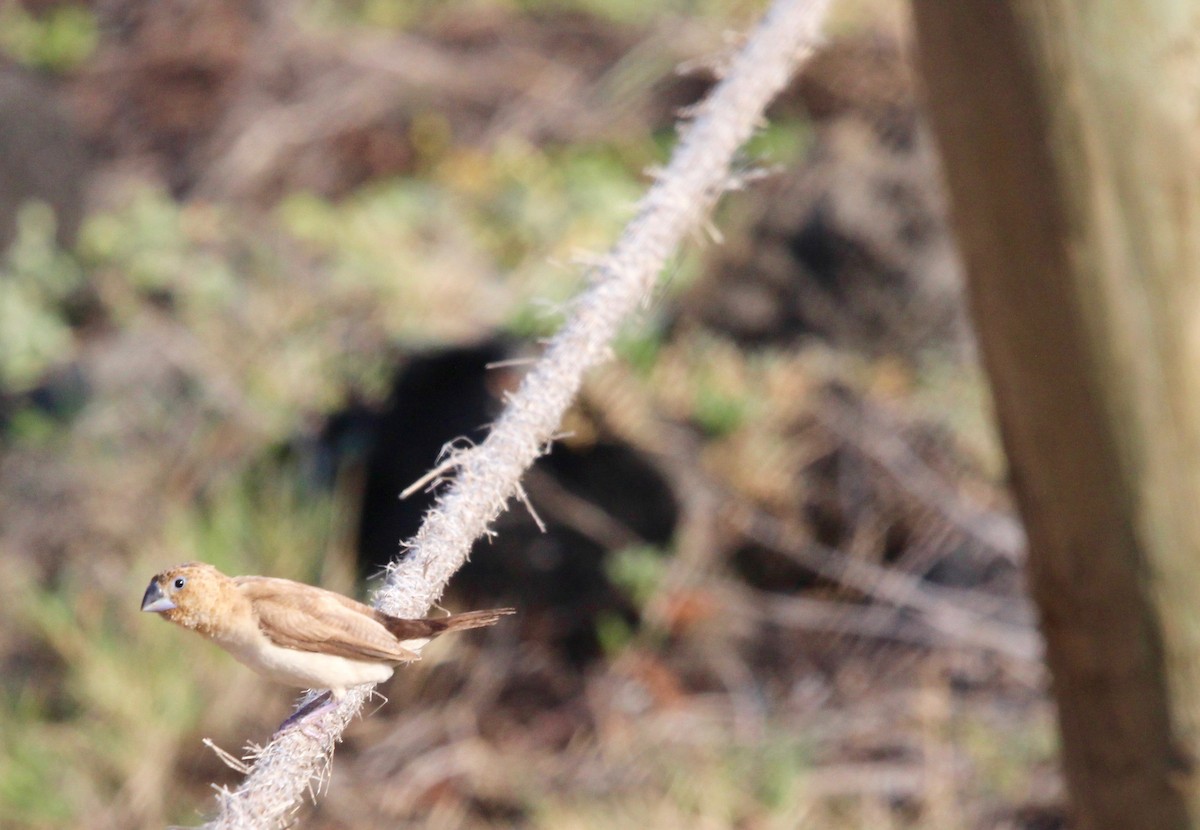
35,279
56,40
534,321
779,143
612,633
32,428
637,571
716,413
640,348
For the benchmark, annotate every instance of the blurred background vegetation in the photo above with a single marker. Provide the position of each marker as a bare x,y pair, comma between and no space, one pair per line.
261,260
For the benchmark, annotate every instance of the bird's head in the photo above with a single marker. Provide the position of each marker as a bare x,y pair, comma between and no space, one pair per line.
189,594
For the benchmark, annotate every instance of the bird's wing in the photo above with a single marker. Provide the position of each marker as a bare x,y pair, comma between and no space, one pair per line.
305,618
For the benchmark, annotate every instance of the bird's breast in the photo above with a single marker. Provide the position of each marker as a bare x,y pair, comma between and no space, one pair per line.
308,669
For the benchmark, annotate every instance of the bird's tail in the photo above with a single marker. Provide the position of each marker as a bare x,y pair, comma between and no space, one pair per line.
433,626
470,619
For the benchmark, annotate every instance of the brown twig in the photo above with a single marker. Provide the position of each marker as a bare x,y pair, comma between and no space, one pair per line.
951,617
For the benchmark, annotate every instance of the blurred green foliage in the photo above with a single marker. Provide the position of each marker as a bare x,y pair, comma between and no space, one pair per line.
400,14
485,237
637,571
779,144
57,40
703,785
639,347
36,278
158,245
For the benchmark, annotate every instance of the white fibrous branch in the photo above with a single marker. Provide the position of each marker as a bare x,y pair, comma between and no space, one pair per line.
296,761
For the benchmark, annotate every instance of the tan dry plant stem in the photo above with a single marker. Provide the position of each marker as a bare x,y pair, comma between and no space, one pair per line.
297,761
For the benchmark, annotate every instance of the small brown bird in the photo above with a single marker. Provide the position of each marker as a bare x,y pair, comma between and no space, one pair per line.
294,633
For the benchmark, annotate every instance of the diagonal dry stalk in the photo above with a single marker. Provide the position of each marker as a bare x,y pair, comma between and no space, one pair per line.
488,476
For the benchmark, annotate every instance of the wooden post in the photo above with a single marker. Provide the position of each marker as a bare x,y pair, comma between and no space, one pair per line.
1070,132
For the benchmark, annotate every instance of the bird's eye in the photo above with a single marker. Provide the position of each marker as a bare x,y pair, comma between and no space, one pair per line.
179,583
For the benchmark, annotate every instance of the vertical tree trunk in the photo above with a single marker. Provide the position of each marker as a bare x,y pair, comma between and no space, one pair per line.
1071,140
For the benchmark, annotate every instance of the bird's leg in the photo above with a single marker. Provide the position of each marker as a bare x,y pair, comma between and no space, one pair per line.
317,704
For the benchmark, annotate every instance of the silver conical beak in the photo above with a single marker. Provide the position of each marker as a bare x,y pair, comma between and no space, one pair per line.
155,600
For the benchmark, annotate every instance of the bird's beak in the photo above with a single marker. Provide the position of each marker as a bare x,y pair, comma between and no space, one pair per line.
155,600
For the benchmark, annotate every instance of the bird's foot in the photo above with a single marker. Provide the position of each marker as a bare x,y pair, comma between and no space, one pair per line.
311,709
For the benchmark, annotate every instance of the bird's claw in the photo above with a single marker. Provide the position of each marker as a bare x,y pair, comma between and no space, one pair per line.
309,710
